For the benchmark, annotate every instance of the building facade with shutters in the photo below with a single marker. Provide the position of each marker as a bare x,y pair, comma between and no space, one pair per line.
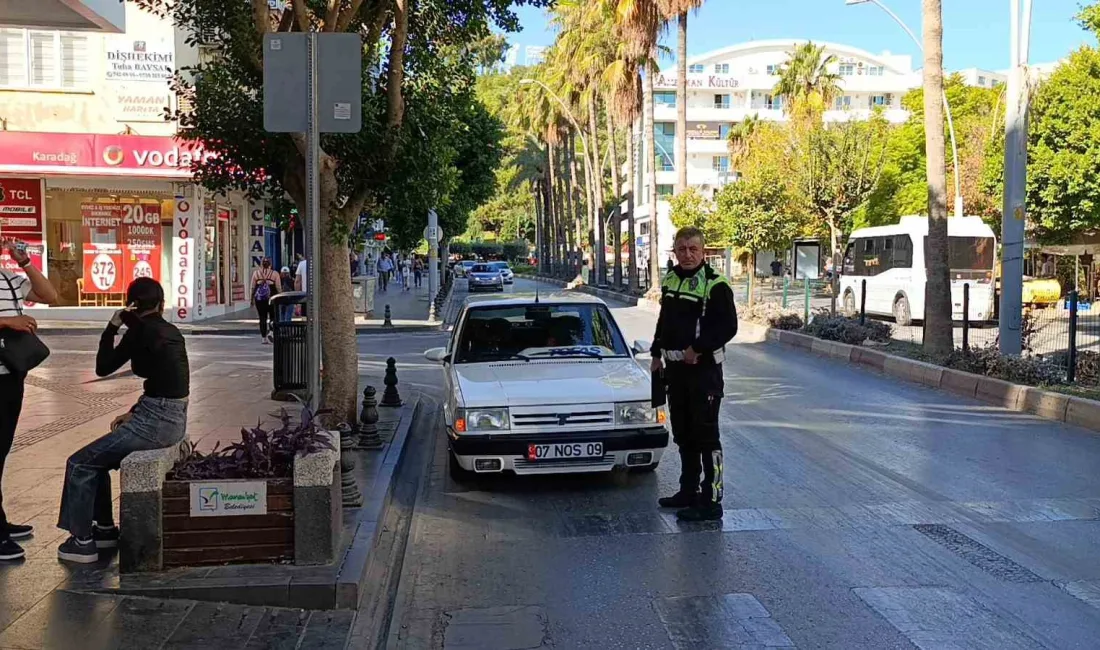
94,181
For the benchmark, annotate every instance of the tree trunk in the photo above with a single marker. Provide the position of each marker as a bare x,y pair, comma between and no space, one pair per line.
577,216
616,193
567,195
631,230
395,101
591,205
551,231
681,106
651,155
547,216
938,335
597,182
536,195
752,279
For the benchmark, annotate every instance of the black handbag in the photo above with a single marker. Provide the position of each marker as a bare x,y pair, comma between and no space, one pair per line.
20,352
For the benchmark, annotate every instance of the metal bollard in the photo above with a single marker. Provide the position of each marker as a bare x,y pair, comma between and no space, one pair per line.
806,304
786,287
1071,371
387,322
966,317
390,396
368,420
863,303
349,490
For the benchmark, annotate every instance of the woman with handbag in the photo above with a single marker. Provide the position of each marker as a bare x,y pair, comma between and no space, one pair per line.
20,351
157,353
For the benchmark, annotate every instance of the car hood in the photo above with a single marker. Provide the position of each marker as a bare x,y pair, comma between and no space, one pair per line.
485,276
552,381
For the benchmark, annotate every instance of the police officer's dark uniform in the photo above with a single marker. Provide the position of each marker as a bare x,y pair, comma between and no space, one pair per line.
697,311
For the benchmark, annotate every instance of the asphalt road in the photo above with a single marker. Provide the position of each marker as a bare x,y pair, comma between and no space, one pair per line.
861,512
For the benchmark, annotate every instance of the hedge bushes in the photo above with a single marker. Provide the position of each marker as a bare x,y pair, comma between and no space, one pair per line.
773,315
988,361
847,330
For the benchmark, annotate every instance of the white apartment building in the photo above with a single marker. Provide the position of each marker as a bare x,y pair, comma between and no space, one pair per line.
91,175
728,85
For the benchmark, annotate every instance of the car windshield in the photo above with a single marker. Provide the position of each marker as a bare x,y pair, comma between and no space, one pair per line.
532,331
500,266
481,268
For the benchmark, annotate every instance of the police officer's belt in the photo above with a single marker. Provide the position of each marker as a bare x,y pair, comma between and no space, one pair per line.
678,355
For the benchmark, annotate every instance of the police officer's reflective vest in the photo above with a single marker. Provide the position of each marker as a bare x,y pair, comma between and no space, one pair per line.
694,288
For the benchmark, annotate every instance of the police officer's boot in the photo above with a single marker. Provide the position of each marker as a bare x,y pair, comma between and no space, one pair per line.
691,465
709,506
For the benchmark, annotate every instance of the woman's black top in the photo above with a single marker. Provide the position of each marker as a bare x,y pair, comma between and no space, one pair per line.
156,352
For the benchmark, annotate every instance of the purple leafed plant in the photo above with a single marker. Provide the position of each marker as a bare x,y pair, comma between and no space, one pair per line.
259,454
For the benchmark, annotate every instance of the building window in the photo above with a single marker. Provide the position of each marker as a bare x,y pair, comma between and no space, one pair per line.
981,80
666,144
879,100
875,71
774,69
643,227
721,101
42,59
665,98
843,103
773,103
721,68
997,83
720,163
664,190
847,69
697,68
723,131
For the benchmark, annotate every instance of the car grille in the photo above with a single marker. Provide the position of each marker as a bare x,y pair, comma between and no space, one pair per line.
566,416
523,466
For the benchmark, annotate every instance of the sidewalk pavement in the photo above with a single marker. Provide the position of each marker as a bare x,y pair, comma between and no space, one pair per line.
408,312
66,407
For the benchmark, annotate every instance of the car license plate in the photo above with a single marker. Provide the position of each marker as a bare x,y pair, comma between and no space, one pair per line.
565,450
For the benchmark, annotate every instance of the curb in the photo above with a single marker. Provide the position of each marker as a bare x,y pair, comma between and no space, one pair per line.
1049,405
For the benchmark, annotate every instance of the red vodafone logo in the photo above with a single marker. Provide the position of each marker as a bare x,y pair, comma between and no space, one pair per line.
113,155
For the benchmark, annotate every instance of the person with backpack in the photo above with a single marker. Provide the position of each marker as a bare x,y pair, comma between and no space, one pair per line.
265,283
18,331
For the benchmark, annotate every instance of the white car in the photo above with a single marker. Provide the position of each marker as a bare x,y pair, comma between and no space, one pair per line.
505,271
546,386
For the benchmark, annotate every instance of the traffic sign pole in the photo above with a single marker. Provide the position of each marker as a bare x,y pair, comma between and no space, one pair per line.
313,231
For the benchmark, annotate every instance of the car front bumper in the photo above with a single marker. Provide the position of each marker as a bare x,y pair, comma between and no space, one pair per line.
511,450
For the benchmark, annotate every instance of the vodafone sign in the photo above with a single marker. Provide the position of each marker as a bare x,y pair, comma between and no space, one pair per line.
98,155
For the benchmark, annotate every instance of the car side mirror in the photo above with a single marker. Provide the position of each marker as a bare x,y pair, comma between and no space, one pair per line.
641,347
437,355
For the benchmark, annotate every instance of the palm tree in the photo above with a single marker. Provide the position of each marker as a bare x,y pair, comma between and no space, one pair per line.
625,103
679,9
938,336
806,81
739,138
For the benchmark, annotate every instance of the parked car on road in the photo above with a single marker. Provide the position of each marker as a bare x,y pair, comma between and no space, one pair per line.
462,268
546,386
484,276
505,271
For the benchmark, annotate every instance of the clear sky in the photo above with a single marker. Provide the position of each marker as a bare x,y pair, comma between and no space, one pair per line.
975,31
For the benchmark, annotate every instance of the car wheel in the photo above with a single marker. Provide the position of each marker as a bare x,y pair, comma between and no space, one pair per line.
902,315
458,473
645,469
849,303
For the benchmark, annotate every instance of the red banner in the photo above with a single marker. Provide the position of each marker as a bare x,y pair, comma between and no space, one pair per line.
21,218
141,241
102,247
85,153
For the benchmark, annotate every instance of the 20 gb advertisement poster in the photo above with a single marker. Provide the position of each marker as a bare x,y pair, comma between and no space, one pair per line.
121,243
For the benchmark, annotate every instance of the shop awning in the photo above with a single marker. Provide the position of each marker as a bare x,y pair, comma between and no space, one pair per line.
74,15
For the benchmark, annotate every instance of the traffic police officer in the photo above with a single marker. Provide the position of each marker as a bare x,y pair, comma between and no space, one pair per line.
697,320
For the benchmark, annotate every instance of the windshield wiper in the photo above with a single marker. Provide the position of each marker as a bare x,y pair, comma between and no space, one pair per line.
568,352
503,356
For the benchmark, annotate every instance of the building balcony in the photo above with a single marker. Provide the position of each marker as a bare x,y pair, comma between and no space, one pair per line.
71,15
892,115
713,146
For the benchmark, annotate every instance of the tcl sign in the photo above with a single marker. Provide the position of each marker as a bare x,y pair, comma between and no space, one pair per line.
79,153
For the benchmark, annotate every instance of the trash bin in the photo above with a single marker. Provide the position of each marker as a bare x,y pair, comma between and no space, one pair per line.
290,374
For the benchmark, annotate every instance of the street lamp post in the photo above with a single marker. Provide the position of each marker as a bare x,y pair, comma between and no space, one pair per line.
946,104
584,144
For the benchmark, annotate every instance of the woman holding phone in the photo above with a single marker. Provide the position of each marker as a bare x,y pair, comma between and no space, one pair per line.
14,290
157,353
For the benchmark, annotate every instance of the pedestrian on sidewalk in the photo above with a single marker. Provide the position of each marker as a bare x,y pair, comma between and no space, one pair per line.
406,273
418,270
14,290
286,283
777,272
157,353
301,279
265,283
385,267
696,321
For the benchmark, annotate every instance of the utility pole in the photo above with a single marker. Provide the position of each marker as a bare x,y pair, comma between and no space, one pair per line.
1015,190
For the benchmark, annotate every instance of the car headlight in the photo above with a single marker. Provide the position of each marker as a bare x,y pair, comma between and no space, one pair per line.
637,413
469,420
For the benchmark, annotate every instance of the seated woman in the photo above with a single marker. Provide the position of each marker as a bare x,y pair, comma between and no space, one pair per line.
157,353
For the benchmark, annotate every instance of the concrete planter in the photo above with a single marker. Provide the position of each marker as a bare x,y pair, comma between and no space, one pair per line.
302,521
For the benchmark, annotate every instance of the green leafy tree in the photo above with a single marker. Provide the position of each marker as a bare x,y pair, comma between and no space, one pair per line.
759,213
1064,155
418,67
807,82
691,208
